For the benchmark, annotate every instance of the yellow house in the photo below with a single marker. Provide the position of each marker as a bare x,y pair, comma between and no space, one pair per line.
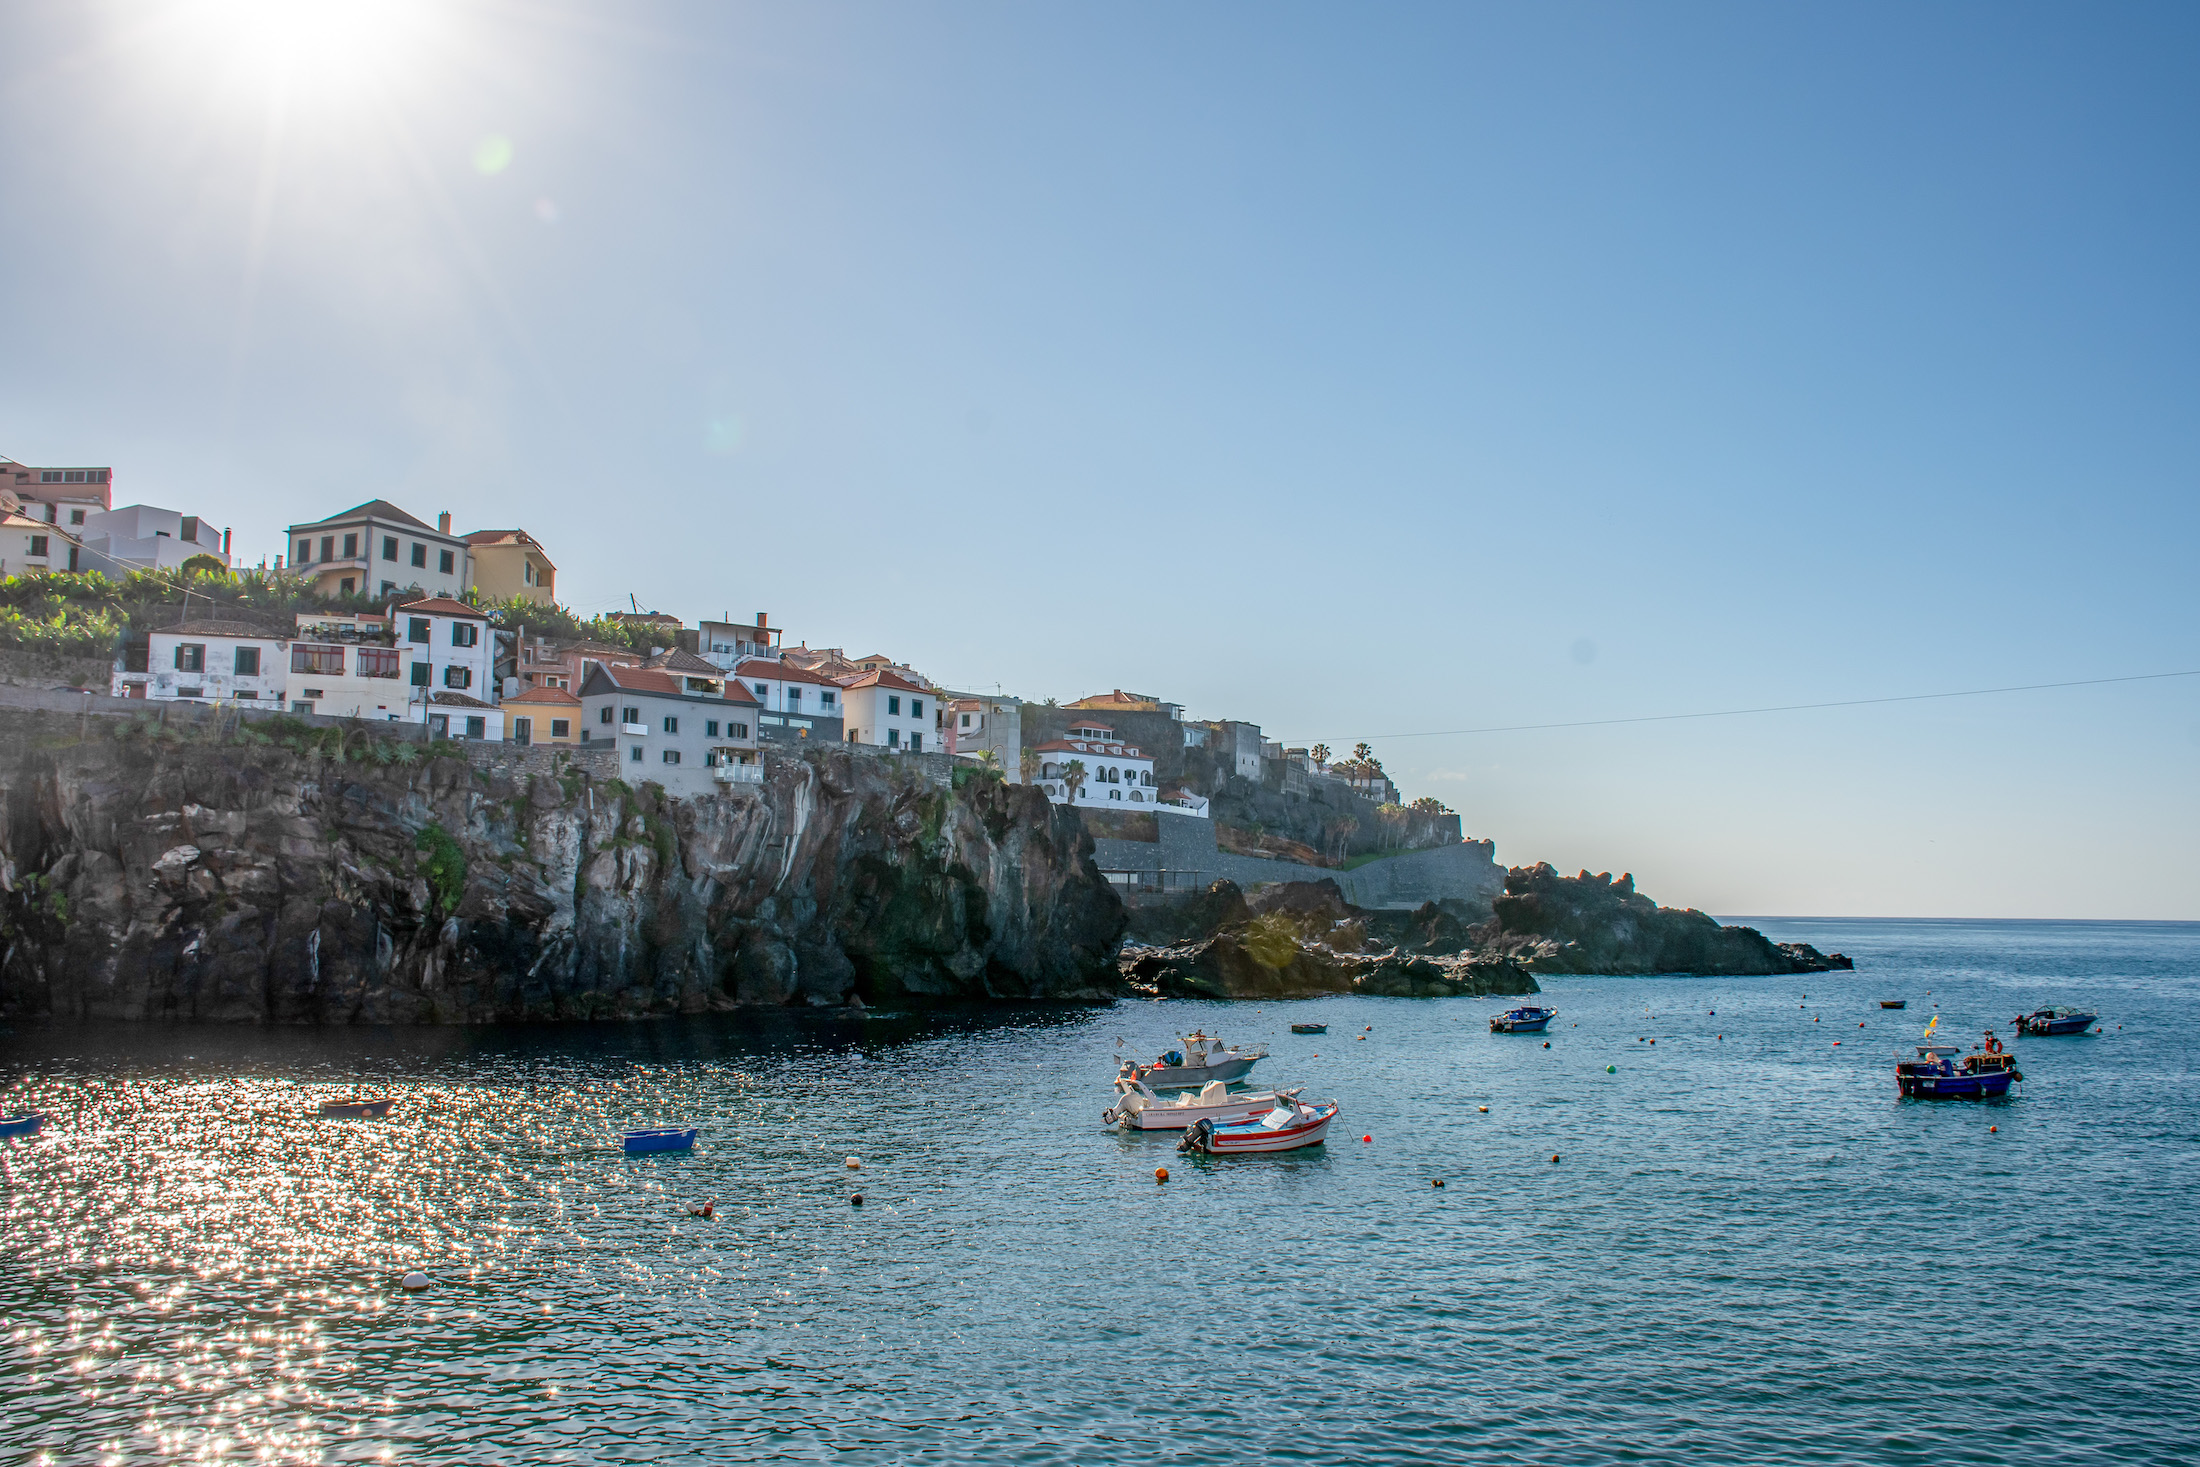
543,716
509,563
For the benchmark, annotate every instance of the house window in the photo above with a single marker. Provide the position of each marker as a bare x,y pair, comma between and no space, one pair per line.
966,720
561,728
421,673
465,634
710,728
737,730
916,708
378,661
794,696
420,556
76,516
672,725
328,547
306,658
916,743
190,692
630,715
416,630
49,476
634,754
443,561
248,662
604,715
893,705
351,547
190,657
763,690
672,756
455,676
439,725
38,546
348,586
305,552
389,588
893,738
477,727
826,699
389,547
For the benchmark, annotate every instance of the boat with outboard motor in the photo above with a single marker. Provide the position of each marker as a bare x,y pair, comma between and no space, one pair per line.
1291,1124
1138,1108
1309,1028
1527,1019
1202,1058
2045,1023
1937,1073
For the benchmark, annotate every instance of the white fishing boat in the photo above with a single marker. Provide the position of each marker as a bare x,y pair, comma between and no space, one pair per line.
1291,1124
1202,1058
1138,1108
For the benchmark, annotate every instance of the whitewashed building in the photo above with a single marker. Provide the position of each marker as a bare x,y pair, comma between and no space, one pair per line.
352,666
211,662
1116,774
140,537
793,703
690,734
886,709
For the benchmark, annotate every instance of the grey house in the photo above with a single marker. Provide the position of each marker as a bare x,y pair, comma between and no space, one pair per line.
689,731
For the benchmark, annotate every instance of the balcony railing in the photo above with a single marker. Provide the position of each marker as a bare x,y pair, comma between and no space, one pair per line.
738,773
637,729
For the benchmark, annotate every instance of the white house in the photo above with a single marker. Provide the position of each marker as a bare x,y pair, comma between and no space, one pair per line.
881,707
692,734
28,545
64,497
1113,772
351,666
728,643
376,549
146,537
792,702
213,662
454,647
463,716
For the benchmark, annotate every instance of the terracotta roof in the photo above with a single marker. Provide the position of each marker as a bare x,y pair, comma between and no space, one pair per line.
881,679
771,670
442,606
380,509
1058,746
211,628
679,659
649,680
1127,702
646,618
460,700
541,694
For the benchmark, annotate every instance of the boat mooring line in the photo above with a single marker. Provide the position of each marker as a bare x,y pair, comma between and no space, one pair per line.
2089,682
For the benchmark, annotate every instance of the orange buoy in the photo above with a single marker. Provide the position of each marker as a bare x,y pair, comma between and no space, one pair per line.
1438,1182
1546,1044
1836,1044
1554,1158
1993,1128
1483,1108
1161,1174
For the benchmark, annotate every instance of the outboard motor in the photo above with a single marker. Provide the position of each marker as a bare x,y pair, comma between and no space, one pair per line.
1195,1139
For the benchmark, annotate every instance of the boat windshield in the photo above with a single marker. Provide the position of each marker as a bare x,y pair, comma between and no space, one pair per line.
1282,1116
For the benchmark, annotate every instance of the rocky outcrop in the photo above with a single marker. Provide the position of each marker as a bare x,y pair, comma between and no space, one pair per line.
1595,924
324,876
1301,939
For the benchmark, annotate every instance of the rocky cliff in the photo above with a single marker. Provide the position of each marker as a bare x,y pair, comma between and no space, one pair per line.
1594,924
326,876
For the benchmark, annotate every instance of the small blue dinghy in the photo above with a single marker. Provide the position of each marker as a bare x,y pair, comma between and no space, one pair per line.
23,1125
662,1138
1527,1019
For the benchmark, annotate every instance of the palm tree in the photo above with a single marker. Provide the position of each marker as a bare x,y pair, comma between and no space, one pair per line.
1028,763
1320,755
1073,778
1363,753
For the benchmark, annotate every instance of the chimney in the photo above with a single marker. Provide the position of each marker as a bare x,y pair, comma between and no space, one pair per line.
762,620
443,522
225,542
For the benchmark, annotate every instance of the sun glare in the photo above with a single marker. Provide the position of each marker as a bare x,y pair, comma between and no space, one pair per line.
315,47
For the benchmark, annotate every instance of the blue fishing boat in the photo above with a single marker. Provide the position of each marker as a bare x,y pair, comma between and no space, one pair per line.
1937,1074
2042,1023
1309,1028
22,1125
1527,1019
661,1138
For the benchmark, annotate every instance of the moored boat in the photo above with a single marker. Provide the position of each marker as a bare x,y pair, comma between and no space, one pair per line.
2044,1023
26,1124
1937,1073
1202,1058
1138,1108
1894,1003
1309,1028
1291,1124
661,1138
364,1107
1527,1019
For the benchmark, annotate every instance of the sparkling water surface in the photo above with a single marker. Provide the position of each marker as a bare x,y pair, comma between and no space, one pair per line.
1749,1249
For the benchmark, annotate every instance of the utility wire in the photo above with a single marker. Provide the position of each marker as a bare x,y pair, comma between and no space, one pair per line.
2091,682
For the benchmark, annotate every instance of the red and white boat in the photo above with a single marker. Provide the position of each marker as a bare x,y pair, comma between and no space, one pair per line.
1291,1124
1140,1109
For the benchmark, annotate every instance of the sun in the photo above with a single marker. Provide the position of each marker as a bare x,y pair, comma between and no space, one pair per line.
314,48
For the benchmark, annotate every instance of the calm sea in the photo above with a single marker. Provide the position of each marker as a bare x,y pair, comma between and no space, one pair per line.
1747,1250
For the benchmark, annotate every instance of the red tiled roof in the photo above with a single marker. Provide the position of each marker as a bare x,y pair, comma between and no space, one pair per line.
541,694
442,606
1128,702
460,700
679,659
881,679
649,680
771,670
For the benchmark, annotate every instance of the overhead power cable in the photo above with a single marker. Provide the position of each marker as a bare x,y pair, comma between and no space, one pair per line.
2091,682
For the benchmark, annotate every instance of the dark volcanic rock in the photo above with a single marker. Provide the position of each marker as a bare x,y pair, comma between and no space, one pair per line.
1593,924
344,880
1246,963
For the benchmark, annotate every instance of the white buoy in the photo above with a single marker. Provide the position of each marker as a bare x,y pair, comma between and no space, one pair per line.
416,1280
854,1165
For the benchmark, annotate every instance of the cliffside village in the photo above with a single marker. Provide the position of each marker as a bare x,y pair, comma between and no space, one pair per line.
692,714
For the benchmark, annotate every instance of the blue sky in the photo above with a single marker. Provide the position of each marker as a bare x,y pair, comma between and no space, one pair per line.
1357,373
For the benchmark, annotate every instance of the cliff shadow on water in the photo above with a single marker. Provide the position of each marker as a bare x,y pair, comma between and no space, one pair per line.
292,874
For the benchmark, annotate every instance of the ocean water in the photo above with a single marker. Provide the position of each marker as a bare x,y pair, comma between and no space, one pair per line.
1747,1247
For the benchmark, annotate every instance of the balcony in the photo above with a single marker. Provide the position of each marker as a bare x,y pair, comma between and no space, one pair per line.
738,773
639,730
